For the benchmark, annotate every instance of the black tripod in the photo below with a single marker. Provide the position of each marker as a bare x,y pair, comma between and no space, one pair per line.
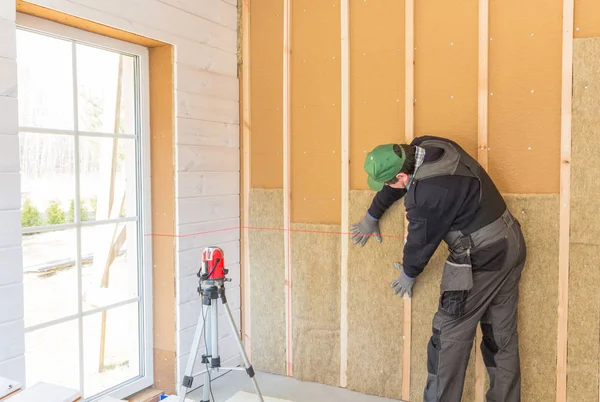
212,290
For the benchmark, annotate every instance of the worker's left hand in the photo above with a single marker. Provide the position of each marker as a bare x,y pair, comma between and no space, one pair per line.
404,283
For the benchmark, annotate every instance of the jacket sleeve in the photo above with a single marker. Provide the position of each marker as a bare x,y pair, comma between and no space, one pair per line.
384,199
427,227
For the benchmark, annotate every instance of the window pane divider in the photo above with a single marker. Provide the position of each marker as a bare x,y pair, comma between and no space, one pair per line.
64,226
78,217
81,315
76,132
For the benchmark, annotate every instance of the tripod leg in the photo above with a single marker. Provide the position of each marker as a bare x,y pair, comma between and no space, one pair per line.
214,334
186,384
249,368
207,345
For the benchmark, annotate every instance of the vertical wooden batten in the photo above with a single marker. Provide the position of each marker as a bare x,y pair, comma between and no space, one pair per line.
287,194
482,116
408,137
245,176
345,161
482,156
565,199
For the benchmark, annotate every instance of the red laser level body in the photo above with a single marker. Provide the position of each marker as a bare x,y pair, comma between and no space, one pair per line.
213,264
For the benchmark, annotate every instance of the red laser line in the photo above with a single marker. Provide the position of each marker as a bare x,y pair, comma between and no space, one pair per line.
265,229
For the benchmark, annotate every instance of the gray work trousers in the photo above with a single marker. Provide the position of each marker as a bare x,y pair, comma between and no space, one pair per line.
480,285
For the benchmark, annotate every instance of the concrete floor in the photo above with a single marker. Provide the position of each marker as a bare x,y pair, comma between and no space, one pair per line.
282,387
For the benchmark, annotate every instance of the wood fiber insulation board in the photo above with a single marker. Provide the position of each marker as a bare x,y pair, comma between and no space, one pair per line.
315,112
525,70
587,18
316,302
266,92
538,294
446,49
267,275
375,314
584,325
584,271
376,80
585,143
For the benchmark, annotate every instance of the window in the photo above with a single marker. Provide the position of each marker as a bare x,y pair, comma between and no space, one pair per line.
84,148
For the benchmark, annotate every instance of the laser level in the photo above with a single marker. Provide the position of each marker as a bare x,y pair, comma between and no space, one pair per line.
211,287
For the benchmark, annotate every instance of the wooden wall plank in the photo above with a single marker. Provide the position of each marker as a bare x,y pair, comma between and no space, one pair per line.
211,159
9,160
345,178
11,258
8,78
10,230
204,234
207,108
9,105
287,190
565,199
206,57
13,343
409,133
207,133
202,82
204,209
482,157
199,184
7,11
11,298
218,11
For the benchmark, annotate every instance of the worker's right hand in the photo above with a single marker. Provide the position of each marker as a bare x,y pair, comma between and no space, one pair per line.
364,229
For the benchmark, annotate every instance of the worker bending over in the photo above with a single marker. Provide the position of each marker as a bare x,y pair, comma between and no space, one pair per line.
449,196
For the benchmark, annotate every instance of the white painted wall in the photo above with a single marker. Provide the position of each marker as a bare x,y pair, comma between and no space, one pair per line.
204,33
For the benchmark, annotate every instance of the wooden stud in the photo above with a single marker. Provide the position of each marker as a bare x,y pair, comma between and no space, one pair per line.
482,156
565,200
245,221
287,194
408,137
345,115
483,83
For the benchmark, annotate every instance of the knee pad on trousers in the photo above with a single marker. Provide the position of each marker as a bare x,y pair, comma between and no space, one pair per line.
489,348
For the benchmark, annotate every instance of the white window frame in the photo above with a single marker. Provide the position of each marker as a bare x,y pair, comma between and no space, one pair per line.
144,214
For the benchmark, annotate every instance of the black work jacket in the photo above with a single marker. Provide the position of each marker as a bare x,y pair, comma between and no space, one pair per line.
434,207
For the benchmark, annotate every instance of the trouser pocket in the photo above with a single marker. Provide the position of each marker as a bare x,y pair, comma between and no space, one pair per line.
457,281
457,277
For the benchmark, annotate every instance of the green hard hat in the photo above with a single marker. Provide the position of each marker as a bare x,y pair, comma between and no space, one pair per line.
383,164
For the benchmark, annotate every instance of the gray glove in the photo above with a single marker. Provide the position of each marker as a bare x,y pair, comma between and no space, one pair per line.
404,283
364,229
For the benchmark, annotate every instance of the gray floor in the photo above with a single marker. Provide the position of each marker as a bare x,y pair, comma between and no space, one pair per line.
276,386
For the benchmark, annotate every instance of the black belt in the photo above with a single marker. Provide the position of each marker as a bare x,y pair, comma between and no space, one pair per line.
481,238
